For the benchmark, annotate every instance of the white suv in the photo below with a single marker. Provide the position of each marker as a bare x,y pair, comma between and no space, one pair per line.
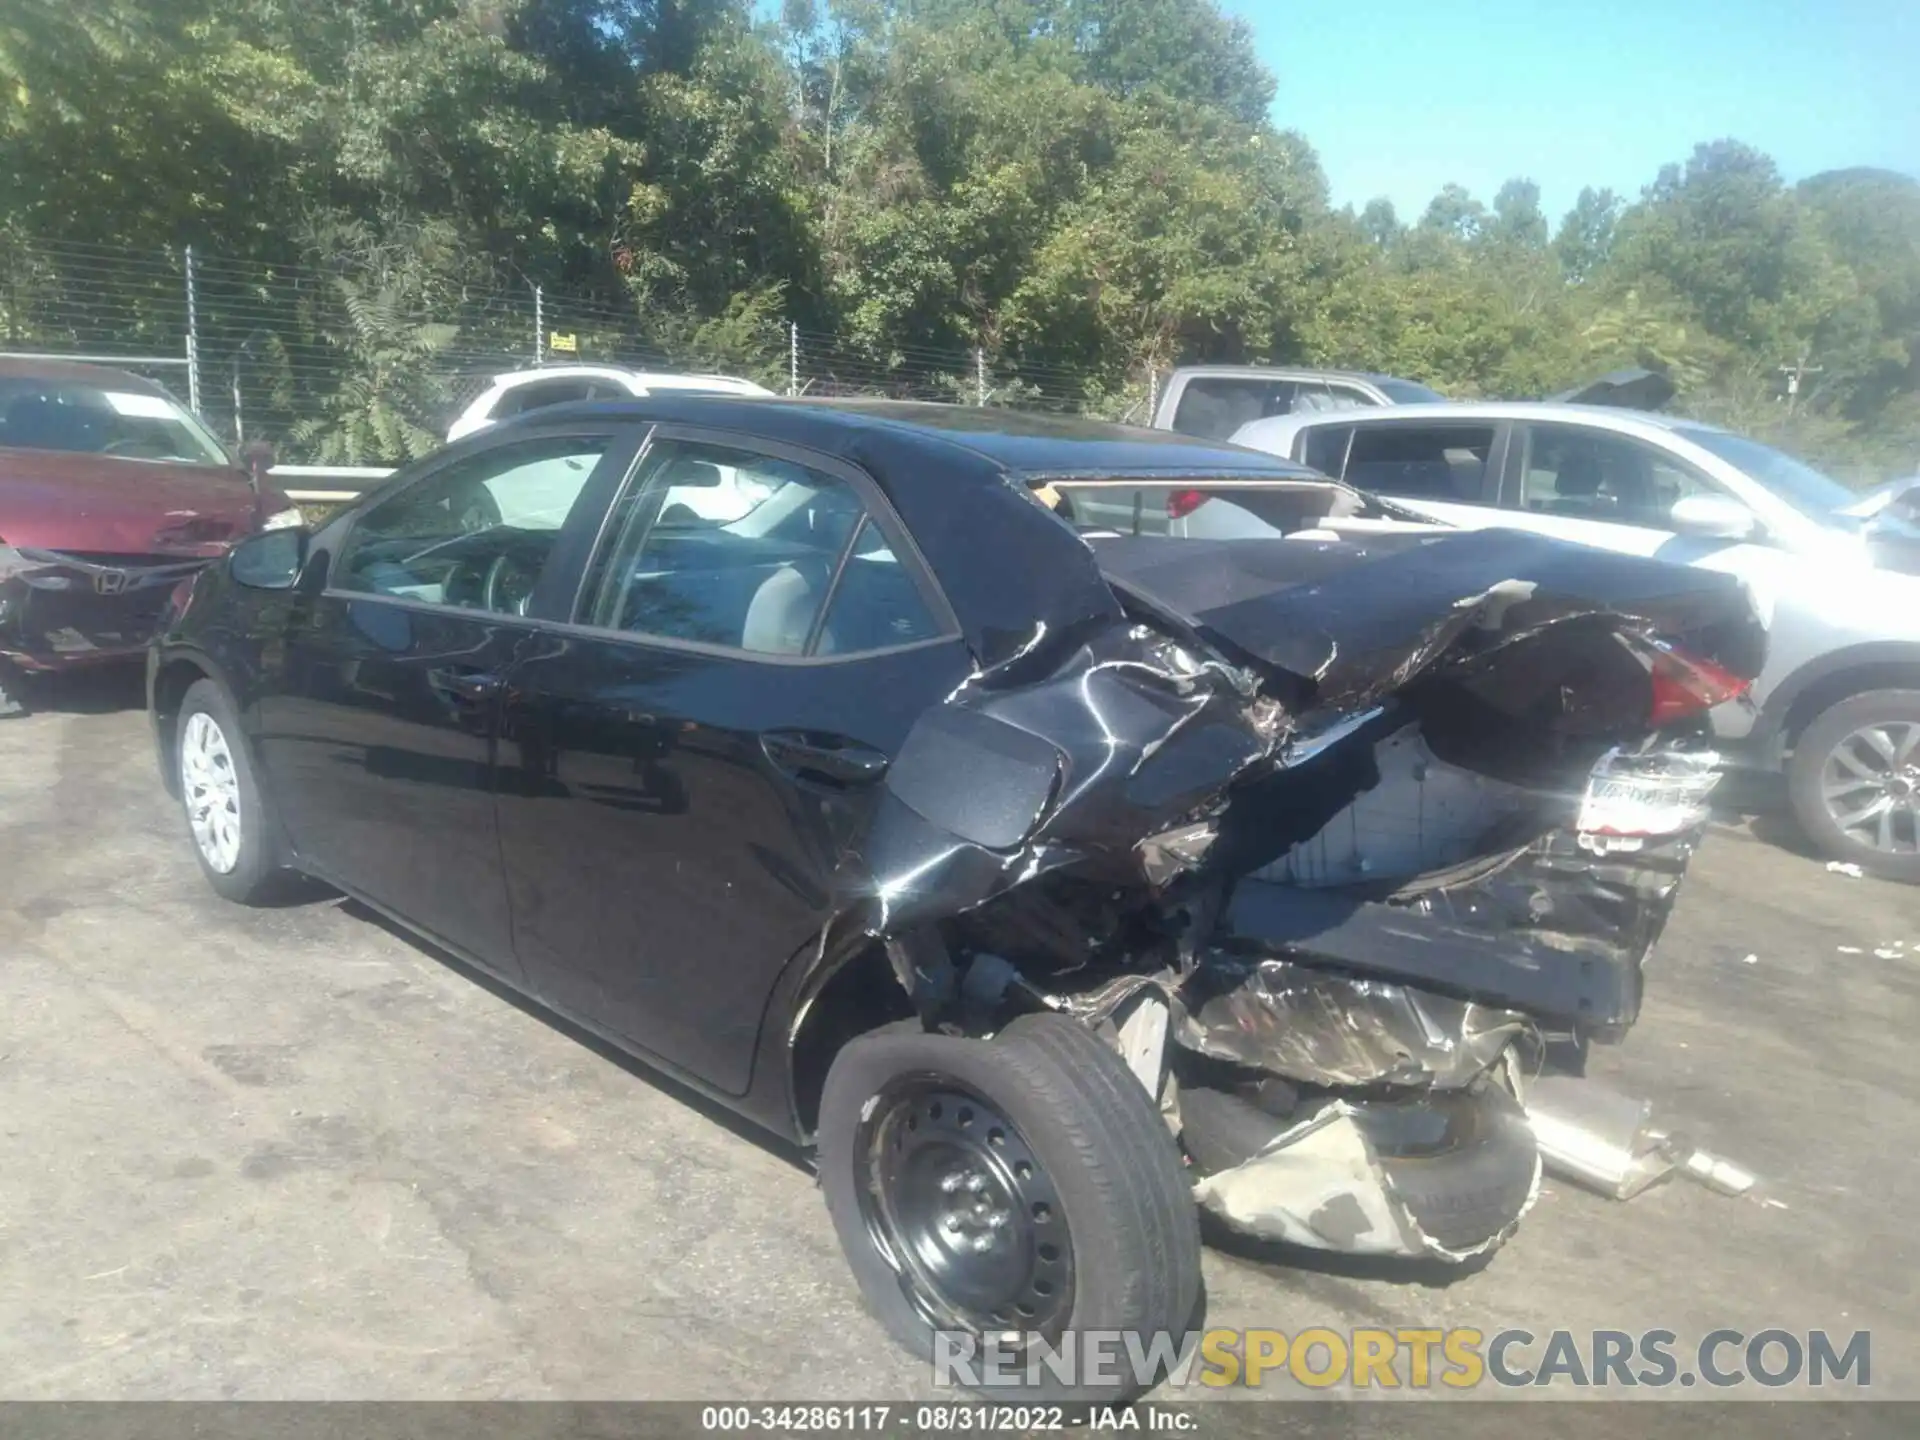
524,390
1838,705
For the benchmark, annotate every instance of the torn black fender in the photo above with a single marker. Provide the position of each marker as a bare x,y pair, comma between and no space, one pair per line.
1125,736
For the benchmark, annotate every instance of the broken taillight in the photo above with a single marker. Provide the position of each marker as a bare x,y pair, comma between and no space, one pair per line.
1685,685
1181,503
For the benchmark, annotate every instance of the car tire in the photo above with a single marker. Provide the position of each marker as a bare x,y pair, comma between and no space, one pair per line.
228,820
1101,1234
1841,729
1464,1192
13,692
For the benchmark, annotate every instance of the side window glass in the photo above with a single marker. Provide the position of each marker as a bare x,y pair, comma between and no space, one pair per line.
1326,448
476,534
876,604
1417,462
1215,406
725,547
1345,397
1596,475
1314,397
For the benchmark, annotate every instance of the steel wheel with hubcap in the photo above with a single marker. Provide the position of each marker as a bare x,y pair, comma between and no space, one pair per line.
226,814
1854,781
210,791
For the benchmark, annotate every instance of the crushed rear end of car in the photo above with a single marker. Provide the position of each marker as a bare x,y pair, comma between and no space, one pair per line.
1332,841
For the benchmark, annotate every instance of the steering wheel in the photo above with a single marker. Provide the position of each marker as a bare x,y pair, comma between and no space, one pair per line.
136,447
508,586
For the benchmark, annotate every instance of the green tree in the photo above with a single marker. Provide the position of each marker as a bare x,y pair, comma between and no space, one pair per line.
1585,237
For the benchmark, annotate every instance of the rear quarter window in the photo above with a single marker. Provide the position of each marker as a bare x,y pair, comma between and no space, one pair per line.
1325,449
1421,462
1215,406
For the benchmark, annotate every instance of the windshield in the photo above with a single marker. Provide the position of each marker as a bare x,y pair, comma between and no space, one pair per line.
1800,485
1406,392
96,420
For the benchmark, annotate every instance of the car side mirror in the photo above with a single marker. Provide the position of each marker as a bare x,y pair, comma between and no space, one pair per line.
271,560
1714,517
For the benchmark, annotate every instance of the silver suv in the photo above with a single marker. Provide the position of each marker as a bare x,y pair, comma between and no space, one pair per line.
1838,704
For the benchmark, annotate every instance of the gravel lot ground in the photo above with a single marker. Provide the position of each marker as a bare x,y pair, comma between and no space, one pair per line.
293,1154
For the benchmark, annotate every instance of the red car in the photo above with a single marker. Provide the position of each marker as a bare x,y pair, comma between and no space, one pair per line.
111,494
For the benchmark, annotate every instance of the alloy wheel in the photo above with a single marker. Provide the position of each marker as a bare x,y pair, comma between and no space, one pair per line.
210,790
1870,784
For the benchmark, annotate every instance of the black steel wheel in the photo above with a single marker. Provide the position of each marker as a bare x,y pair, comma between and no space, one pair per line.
956,1199
1016,1189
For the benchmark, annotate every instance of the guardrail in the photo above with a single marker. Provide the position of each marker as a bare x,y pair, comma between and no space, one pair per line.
307,488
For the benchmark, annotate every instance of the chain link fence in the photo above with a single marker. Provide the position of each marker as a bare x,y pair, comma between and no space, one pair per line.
339,365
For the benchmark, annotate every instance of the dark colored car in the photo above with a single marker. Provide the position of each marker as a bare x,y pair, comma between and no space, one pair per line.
1044,881
111,494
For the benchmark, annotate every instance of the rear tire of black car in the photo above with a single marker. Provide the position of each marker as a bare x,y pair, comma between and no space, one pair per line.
215,772
13,692
1082,1200
1463,1192
1818,750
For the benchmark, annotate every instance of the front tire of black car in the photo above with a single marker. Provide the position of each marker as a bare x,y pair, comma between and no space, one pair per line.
1021,1184
227,816
1844,747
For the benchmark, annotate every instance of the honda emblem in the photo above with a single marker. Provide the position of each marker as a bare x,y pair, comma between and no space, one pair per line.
110,582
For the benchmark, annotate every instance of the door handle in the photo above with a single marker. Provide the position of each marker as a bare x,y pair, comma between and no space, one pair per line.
466,687
824,759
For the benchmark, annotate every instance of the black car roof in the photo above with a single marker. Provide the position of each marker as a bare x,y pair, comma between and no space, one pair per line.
1018,441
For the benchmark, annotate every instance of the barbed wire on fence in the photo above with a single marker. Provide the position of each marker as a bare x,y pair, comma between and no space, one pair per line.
338,364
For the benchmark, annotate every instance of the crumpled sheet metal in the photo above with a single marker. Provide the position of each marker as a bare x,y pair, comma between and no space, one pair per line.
1130,735
1549,928
1320,1185
1356,622
1089,737
1322,1027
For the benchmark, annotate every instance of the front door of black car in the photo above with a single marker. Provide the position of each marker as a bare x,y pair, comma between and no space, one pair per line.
683,768
378,740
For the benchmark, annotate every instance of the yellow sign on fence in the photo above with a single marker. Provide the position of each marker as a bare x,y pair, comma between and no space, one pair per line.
566,344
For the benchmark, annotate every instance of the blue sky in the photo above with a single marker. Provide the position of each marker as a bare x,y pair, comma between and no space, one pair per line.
1401,96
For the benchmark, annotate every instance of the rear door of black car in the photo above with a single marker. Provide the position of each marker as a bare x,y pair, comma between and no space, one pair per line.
379,720
684,764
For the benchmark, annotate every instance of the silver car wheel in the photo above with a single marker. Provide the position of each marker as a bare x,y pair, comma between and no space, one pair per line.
210,789
1870,784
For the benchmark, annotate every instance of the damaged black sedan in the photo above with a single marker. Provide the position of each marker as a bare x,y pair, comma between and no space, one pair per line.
1046,881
